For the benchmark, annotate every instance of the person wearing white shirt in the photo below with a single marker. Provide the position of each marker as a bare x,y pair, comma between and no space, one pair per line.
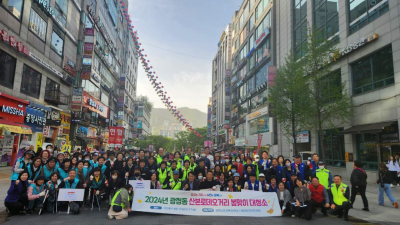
394,168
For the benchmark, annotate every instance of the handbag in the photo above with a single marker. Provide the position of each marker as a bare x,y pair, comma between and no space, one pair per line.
117,208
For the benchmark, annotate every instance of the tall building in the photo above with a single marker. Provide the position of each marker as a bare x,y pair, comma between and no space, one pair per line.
221,99
368,36
171,129
142,120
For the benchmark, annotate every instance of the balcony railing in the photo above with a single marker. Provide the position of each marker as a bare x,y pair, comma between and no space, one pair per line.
56,97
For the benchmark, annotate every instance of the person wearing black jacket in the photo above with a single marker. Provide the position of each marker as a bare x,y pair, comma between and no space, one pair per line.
384,182
200,168
119,165
152,165
129,169
191,184
290,184
144,172
358,182
209,182
113,184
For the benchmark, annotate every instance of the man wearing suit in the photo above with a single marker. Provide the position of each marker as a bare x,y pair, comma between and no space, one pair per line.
191,184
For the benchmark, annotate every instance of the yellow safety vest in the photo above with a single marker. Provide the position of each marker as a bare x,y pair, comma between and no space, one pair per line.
162,176
323,176
175,185
338,196
115,197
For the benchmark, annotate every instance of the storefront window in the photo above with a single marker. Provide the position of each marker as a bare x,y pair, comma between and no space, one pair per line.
14,6
37,25
7,69
259,101
259,125
243,109
61,11
30,83
57,43
334,147
367,151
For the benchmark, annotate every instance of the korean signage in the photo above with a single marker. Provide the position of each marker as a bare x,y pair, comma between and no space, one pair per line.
95,78
261,38
357,44
256,114
92,132
303,136
35,118
240,142
207,203
389,134
82,131
94,105
89,31
119,136
12,109
13,43
111,138
66,122
53,118
77,91
88,49
69,67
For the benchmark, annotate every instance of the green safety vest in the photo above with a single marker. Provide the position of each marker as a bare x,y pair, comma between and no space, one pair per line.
185,173
159,159
323,176
115,197
338,196
162,176
193,167
175,185
256,168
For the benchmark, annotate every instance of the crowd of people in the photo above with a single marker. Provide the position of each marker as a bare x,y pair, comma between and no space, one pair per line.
301,188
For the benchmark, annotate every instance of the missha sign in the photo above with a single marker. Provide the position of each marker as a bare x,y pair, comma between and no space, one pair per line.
45,5
12,108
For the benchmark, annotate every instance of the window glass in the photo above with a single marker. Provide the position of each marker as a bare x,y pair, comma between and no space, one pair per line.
37,25
259,101
104,98
259,125
363,12
326,18
250,85
91,88
57,44
14,6
61,11
367,151
372,72
262,75
300,26
7,69
30,83
251,22
243,110
252,61
334,147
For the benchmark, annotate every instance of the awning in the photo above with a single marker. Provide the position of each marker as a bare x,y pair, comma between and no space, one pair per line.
367,128
15,127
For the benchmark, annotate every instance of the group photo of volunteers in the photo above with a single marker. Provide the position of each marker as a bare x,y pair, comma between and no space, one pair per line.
302,188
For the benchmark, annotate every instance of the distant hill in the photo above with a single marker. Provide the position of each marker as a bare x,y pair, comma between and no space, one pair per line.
195,117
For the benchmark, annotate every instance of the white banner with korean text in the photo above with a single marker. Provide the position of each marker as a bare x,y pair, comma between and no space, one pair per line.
207,203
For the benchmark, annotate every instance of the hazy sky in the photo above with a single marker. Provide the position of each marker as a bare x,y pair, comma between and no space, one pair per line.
191,27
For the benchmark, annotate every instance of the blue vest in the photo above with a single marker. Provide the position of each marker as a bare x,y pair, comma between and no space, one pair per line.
256,185
301,168
47,173
278,172
34,187
73,186
94,165
272,189
15,175
103,168
85,172
261,164
29,168
63,173
96,184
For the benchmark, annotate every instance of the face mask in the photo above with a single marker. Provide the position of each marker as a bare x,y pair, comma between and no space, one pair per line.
200,177
114,177
79,158
288,164
257,160
227,160
233,171
321,167
222,155
137,174
203,155
130,192
85,166
237,160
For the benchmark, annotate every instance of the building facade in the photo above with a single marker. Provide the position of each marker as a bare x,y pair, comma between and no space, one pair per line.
142,120
171,129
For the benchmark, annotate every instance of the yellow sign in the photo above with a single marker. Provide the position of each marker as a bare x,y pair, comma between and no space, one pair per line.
90,148
65,122
253,115
39,141
66,148
235,110
15,129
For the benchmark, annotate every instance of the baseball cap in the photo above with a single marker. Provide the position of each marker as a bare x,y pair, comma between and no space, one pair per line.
176,172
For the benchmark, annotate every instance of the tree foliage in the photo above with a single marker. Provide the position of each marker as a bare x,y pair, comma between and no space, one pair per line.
187,139
157,141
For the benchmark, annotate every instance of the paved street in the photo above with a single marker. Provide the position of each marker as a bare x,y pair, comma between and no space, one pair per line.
378,215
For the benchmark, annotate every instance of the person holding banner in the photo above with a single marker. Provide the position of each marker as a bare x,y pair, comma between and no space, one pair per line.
191,183
236,181
34,168
71,182
154,183
163,175
209,183
284,199
253,184
120,205
175,183
136,175
230,187
36,194
261,178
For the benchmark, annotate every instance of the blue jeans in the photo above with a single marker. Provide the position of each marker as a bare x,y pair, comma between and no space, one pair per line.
388,192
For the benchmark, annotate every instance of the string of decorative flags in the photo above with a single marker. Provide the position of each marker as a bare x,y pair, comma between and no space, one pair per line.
157,85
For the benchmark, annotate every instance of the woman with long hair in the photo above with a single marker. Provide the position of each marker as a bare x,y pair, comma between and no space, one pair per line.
17,198
384,182
393,166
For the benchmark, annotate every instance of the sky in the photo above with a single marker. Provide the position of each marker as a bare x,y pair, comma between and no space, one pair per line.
189,27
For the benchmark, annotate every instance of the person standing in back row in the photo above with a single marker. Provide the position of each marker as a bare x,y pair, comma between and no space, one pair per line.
358,182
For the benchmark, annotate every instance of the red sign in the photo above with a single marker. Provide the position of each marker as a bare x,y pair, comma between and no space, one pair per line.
94,105
12,108
13,42
88,49
119,136
111,138
89,31
259,139
20,46
4,35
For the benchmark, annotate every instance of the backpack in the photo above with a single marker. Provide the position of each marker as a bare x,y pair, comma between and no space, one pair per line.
74,208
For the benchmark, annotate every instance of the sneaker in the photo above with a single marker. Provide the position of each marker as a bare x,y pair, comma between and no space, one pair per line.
396,205
110,217
365,209
391,185
28,212
398,185
293,216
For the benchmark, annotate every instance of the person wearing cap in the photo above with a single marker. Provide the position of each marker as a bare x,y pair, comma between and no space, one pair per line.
299,167
64,169
339,195
191,183
217,159
34,168
96,185
60,159
226,166
253,184
209,182
319,196
94,160
36,194
49,168
261,178
21,164
256,165
175,183
232,171
237,182
324,175
162,174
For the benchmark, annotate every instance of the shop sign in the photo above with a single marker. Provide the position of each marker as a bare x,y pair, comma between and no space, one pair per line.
240,142
77,91
235,110
46,131
261,38
11,109
89,31
13,43
53,118
261,112
39,140
76,107
45,65
87,61
95,78
221,132
82,131
88,48
389,134
34,118
45,5
94,105
76,99
357,44
69,79
303,137
60,131
69,67
65,122
92,132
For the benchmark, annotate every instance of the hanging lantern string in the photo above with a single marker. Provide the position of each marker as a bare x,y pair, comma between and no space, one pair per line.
157,85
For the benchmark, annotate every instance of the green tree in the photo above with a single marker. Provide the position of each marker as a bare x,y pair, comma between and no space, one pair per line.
331,105
157,141
187,139
291,101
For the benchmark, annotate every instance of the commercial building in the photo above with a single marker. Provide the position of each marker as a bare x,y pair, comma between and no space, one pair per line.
171,129
142,120
221,99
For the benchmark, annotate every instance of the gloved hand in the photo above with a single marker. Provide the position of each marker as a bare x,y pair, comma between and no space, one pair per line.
127,174
42,193
267,186
18,170
30,182
91,177
97,192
